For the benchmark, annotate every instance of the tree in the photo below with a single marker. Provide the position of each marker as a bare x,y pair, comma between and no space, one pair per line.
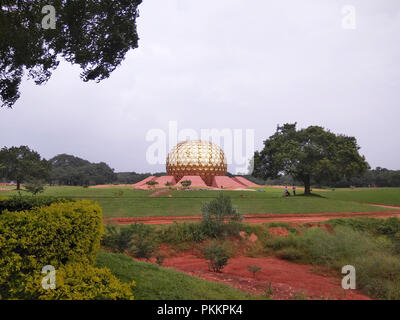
96,35
23,164
311,154
35,187
70,170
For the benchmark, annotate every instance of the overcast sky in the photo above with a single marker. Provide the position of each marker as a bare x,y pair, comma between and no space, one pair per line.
227,64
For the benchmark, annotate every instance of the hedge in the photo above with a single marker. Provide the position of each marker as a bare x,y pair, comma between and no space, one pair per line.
77,281
21,203
62,233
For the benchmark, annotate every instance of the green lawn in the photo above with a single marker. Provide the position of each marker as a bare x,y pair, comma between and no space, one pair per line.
125,202
156,283
389,196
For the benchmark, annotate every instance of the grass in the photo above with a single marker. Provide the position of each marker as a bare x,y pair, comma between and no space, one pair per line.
371,245
125,202
159,283
388,196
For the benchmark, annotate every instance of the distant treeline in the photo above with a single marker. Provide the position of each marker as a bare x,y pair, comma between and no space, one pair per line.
20,164
70,170
378,177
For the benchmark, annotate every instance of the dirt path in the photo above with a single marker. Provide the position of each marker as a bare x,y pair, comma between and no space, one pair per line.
382,205
257,218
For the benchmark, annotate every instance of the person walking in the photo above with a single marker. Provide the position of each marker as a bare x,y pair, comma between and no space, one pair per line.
294,190
287,192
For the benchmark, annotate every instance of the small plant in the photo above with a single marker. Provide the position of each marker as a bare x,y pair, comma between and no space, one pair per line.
152,183
186,183
300,296
217,257
160,259
35,187
254,270
269,292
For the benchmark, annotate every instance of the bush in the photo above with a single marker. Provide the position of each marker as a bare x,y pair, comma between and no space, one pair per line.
290,253
22,203
77,281
371,247
116,238
35,187
54,235
188,232
143,244
219,210
217,257
137,238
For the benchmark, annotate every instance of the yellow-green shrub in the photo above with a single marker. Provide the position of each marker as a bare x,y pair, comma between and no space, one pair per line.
77,281
53,235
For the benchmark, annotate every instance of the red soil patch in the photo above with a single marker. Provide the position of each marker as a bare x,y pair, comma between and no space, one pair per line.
286,279
383,205
257,218
278,231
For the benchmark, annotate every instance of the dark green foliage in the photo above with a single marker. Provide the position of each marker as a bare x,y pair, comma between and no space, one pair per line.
117,238
21,203
159,259
22,164
183,232
96,35
130,177
74,171
220,210
217,257
143,243
186,183
138,239
311,154
35,187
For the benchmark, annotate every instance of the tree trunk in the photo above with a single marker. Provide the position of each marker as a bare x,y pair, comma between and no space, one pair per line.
18,185
307,186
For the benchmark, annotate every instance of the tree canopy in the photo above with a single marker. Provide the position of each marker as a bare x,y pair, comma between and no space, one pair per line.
70,170
311,154
22,164
94,34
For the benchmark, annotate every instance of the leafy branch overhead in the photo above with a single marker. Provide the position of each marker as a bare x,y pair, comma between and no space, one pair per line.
96,35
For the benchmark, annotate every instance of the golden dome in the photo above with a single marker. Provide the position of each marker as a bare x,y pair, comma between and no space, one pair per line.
196,158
